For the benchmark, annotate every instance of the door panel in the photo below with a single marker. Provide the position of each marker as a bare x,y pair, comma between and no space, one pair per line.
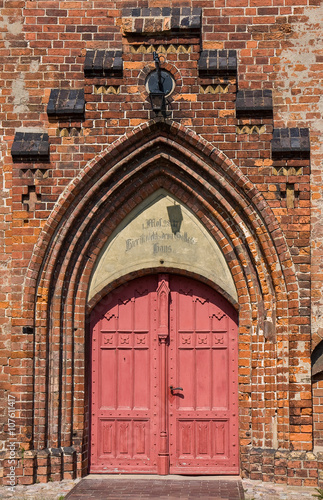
124,380
132,361
203,416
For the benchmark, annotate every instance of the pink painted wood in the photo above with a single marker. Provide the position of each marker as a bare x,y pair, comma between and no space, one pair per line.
163,333
203,413
138,423
125,396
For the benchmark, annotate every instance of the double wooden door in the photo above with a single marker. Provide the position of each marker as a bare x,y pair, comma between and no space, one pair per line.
164,379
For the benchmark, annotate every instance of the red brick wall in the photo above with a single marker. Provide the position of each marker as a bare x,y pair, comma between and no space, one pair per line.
278,48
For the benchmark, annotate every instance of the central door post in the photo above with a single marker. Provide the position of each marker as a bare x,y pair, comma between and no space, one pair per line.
163,332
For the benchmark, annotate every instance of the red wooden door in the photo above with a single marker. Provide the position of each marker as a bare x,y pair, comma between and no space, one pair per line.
124,380
203,413
148,335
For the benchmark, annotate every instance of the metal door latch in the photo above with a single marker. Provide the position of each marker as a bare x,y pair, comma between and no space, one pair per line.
172,388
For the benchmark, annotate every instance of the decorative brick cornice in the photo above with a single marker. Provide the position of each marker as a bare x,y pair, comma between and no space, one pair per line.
30,146
156,19
254,103
66,103
217,62
287,142
103,63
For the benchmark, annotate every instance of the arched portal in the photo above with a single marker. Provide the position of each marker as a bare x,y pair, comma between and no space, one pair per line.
160,156
164,379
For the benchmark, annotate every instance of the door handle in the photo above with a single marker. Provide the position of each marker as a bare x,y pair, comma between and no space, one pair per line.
172,388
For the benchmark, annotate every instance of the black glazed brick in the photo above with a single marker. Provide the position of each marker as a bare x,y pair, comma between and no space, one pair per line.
254,103
67,103
217,63
30,146
99,63
289,142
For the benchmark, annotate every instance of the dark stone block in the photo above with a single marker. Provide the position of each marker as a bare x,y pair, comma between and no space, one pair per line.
127,12
19,136
186,11
97,63
88,61
117,63
51,104
217,63
254,103
232,64
166,11
79,100
67,103
290,142
294,132
103,63
174,22
196,22
285,143
43,149
197,11
155,11
295,143
30,146
185,21
223,64
213,63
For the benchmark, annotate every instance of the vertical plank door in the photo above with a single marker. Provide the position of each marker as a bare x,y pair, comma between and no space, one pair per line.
124,380
203,404
164,379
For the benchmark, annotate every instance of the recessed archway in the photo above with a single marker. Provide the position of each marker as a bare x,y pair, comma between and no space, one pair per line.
235,215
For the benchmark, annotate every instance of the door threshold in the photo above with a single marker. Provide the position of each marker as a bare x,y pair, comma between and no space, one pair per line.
184,477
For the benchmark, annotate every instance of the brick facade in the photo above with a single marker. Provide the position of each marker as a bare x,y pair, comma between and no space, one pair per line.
239,144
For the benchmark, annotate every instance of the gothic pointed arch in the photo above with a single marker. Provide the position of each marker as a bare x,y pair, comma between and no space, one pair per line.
158,155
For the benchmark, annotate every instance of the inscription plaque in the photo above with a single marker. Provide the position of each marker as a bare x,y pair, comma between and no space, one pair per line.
161,231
